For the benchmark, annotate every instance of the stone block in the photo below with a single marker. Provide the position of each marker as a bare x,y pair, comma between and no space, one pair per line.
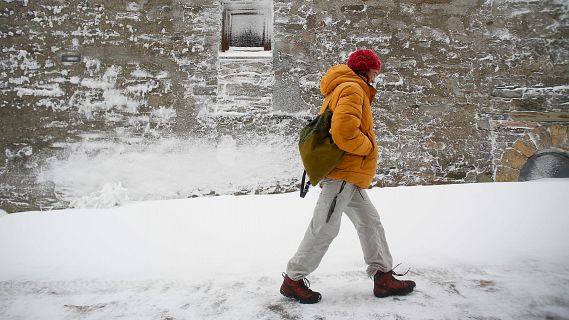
513,124
525,146
507,93
483,124
353,8
245,89
158,100
505,174
541,138
431,1
558,135
513,159
538,104
434,145
377,11
204,91
540,116
484,177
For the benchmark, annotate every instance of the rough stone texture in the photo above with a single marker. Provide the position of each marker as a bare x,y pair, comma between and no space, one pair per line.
541,138
551,138
525,146
456,76
142,64
449,67
513,159
540,116
506,174
244,87
558,135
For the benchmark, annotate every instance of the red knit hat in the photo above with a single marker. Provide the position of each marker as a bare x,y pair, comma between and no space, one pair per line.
363,60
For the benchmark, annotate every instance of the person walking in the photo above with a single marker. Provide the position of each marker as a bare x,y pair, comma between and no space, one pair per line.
349,92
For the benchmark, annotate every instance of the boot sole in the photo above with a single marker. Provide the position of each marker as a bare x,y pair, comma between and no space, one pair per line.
290,296
394,293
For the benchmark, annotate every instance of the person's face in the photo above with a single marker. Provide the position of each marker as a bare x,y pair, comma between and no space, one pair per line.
371,74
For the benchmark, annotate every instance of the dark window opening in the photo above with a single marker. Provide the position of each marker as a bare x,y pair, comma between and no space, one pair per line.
549,164
246,26
246,34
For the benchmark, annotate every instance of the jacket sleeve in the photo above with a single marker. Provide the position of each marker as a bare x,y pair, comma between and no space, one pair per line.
346,122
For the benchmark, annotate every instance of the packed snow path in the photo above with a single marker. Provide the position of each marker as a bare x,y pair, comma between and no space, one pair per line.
477,251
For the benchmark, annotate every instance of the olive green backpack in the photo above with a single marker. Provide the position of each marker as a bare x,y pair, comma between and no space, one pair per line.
319,154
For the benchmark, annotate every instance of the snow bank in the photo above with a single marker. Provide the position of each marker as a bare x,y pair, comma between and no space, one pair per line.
479,251
208,236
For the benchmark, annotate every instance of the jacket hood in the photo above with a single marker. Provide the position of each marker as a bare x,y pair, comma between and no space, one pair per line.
339,74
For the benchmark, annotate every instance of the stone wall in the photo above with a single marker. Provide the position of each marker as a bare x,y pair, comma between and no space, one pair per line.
147,68
244,86
456,75
453,73
137,57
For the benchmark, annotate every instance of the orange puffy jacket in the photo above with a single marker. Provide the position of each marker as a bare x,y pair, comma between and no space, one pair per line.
350,99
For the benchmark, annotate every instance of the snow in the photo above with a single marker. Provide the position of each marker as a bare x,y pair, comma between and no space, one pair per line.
21,153
172,167
112,194
476,251
245,53
141,89
139,73
163,115
47,90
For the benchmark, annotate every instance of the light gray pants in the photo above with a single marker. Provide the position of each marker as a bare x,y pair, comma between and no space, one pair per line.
358,207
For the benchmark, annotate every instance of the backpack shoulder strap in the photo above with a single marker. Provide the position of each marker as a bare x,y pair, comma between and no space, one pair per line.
325,103
304,186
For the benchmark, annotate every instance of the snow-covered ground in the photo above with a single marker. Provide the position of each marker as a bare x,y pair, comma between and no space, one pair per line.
476,251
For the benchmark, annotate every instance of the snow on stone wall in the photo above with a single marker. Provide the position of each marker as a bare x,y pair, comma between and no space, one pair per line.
244,86
452,70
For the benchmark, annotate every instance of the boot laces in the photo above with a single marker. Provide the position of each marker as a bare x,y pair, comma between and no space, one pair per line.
305,284
393,273
399,274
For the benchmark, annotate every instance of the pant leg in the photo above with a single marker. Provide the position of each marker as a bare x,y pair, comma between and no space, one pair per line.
365,218
320,233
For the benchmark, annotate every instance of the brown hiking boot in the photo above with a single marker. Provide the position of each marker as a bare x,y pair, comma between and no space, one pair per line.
299,290
386,285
